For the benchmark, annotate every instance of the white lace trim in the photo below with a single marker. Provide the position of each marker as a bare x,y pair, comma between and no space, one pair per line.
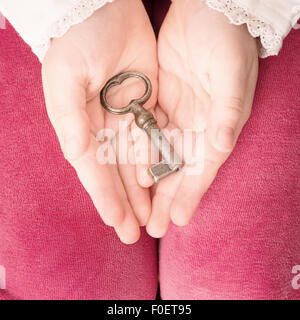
270,39
80,12
296,12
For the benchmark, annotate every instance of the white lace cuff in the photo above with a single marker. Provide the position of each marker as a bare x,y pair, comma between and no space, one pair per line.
77,14
270,20
38,21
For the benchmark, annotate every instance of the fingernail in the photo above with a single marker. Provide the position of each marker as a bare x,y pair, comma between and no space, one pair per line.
71,147
225,138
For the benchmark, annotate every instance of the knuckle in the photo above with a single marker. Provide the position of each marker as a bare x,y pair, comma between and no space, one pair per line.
64,117
235,103
235,107
238,63
247,113
59,118
54,66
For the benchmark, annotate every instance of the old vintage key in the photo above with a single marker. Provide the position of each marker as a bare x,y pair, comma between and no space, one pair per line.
144,119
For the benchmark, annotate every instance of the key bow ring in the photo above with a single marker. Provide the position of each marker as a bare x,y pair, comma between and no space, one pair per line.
118,80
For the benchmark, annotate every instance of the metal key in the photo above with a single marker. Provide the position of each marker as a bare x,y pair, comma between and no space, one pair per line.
171,162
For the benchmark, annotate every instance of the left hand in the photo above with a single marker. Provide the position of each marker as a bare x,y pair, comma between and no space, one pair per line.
207,78
115,38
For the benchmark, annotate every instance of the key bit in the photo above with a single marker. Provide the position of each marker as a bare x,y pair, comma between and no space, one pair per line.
171,162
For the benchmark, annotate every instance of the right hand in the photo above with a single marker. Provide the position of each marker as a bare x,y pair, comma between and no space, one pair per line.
207,77
116,38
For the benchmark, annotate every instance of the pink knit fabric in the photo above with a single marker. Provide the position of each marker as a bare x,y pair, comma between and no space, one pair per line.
244,239
242,243
53,243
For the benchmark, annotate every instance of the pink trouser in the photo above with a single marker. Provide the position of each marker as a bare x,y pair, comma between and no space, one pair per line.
242,243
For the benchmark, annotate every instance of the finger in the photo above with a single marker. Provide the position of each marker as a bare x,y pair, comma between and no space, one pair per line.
98,182
128,230
199,173
145,152
165,191
159,220
202,163
66,103
138,197
189,193
142,155
228,111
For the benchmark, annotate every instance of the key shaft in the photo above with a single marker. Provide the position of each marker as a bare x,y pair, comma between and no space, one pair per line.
146,121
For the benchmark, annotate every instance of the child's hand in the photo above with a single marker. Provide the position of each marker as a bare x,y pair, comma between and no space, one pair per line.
207,78
116,38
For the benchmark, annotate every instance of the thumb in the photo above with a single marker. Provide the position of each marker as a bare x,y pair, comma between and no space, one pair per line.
228,113
66,106
225,122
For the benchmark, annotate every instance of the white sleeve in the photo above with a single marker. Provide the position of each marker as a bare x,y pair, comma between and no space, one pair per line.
37,21
271,20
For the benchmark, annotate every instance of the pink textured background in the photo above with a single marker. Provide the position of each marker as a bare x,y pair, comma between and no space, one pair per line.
241,244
